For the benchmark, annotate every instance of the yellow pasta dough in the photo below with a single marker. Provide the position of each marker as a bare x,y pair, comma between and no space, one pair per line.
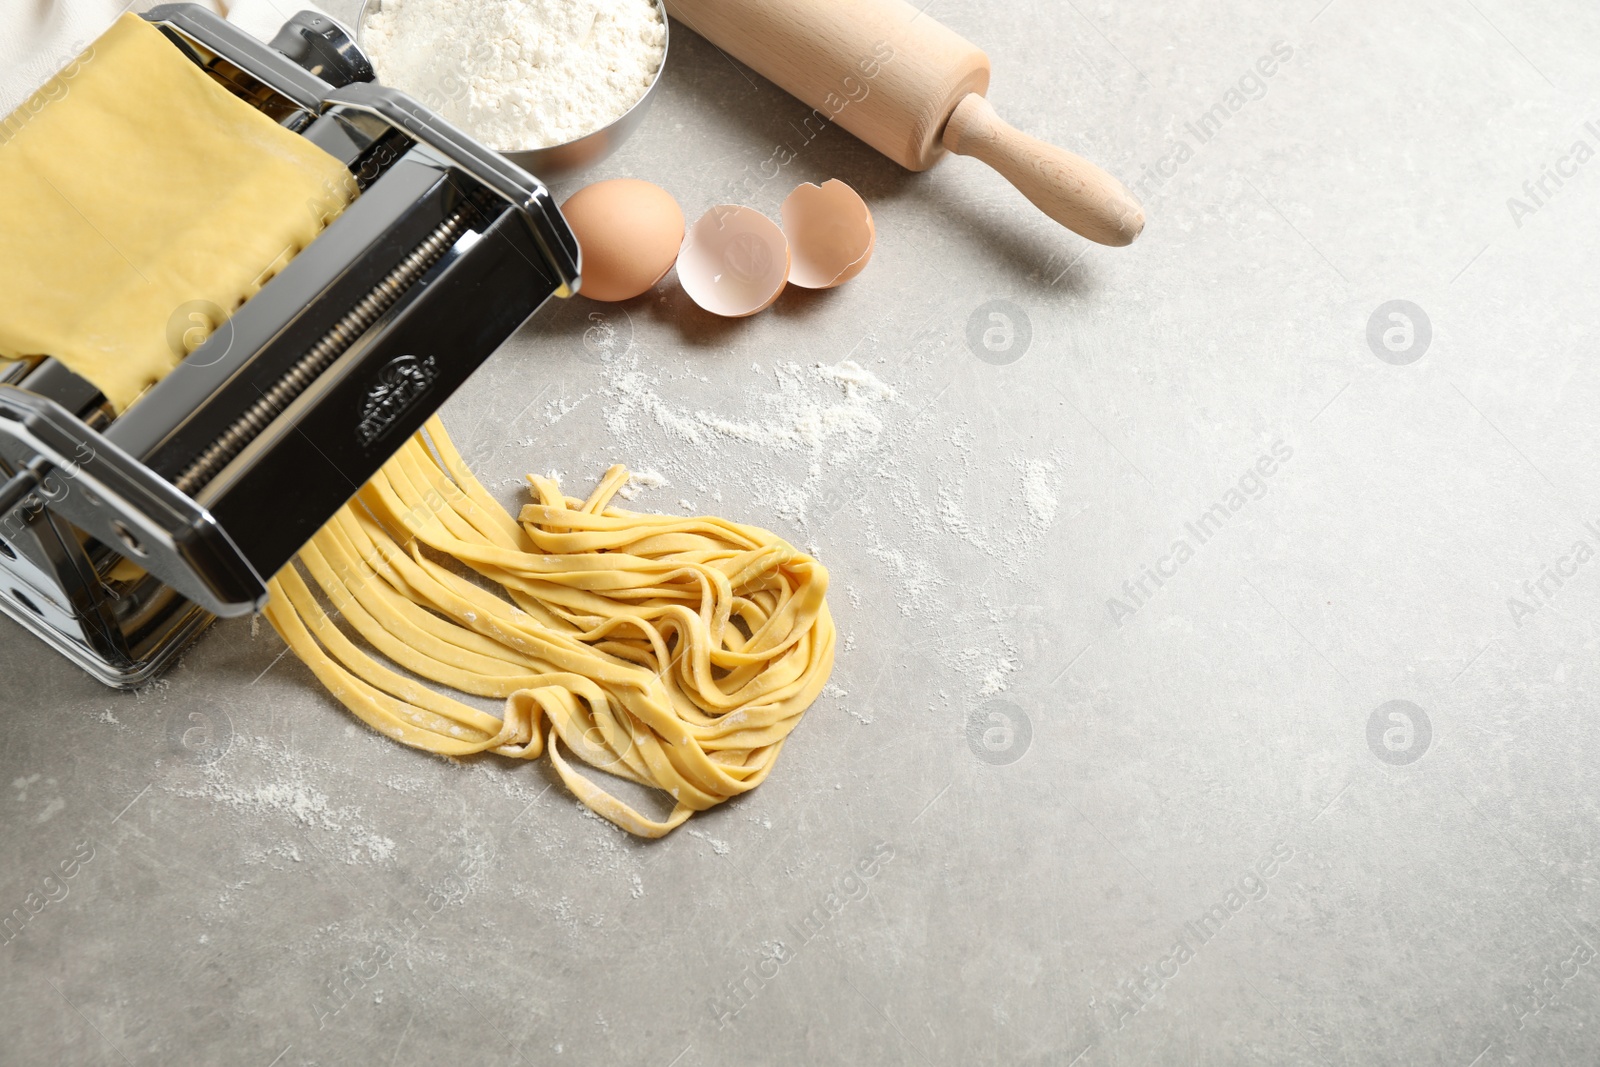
141,203
674,652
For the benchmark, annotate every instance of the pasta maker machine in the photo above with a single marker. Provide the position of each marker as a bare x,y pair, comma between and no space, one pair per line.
122,537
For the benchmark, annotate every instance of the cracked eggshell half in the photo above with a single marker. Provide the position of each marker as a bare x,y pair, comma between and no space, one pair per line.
830,234
734,262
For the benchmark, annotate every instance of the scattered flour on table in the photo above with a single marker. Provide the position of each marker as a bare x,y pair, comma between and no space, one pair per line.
916,579
1038,492
560,408
857,381
991,667
843,697
792,418
640,480
721,848
289,793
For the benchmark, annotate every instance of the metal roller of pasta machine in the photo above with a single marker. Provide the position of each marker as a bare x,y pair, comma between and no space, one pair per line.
216,477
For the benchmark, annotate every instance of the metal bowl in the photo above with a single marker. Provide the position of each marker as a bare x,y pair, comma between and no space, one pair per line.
563,159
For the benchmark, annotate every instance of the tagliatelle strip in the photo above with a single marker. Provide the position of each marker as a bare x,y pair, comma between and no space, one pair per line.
677,653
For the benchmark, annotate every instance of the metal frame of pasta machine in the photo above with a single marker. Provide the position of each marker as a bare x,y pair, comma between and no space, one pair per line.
213,479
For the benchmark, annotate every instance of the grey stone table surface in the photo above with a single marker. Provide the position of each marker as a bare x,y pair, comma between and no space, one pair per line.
1218,659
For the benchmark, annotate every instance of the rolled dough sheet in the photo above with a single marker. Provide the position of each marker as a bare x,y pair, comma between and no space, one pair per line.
138,200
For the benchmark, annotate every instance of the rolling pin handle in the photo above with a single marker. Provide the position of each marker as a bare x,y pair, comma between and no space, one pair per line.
1067,187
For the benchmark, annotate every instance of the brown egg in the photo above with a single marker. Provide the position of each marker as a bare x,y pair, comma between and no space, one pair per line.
629,232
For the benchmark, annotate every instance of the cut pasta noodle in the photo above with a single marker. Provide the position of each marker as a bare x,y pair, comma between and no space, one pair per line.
677,653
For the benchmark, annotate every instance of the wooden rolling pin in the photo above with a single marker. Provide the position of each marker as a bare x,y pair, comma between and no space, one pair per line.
910,88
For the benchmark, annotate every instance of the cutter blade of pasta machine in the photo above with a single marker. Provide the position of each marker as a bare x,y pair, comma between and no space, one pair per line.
122,537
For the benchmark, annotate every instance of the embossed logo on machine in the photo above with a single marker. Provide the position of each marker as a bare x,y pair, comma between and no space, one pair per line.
398,386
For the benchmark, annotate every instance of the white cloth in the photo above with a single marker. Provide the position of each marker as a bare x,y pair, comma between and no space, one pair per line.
39,37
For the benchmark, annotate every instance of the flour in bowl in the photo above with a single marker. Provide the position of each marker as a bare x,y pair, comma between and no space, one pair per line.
519,74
